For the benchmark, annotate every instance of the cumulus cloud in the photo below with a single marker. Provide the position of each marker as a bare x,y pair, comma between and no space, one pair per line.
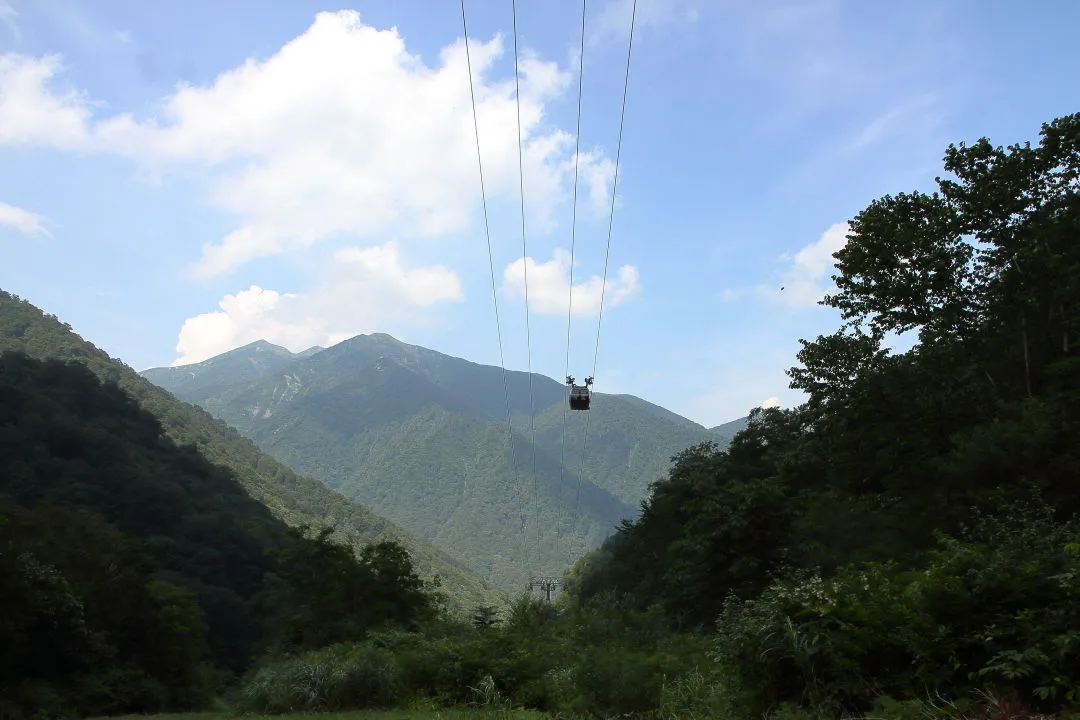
367,290
24,221
342,131
31,114
807,277
549,286
770,403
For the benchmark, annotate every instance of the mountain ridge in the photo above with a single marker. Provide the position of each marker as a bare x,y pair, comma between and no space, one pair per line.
168,374
422,437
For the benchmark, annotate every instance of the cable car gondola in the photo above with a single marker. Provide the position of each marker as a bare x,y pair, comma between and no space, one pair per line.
579,394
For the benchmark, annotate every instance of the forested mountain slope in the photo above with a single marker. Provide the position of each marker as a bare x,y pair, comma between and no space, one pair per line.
136,576
71,442
723,434
201,380
290,496
423,439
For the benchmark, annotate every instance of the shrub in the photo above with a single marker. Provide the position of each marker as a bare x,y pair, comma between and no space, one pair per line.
997,607
339,677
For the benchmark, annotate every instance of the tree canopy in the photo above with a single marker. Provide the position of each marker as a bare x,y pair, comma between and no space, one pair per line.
136,576
895,453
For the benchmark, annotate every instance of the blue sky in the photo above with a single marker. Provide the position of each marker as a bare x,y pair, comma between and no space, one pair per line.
178,179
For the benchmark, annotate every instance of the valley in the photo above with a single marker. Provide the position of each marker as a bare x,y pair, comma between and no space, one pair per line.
306,519
423,439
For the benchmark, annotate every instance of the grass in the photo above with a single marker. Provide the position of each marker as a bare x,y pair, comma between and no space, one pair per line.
463,714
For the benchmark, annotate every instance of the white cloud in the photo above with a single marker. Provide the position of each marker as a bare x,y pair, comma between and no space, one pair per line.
8,16
24,221
549,286
770,402
342,131
613,22
30,114
418,287
368,289
595,174
807,278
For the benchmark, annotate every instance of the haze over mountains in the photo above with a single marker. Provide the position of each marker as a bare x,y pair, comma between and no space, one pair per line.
423,439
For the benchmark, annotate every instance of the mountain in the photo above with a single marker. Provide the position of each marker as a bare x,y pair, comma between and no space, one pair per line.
292,497
86,448
248,363
423,439
722,434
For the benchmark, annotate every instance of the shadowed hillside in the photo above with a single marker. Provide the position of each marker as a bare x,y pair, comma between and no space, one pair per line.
292,497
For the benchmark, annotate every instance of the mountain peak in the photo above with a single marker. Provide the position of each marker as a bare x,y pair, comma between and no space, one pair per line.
264,345
258,346
247,362
378,338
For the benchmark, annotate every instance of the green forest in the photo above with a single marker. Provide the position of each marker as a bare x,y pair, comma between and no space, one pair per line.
905,544
294,498
420,438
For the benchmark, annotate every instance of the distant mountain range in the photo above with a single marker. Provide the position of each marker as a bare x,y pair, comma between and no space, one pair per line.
422,438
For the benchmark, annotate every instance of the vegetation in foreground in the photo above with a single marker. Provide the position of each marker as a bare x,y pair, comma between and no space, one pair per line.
419,713
137,576
905,545
910,531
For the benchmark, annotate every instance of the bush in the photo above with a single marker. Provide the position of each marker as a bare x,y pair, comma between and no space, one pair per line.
537,660
339,677
998,608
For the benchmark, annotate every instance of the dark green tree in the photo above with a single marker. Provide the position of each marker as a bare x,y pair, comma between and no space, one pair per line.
891,450
335,596
86,628
485,617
